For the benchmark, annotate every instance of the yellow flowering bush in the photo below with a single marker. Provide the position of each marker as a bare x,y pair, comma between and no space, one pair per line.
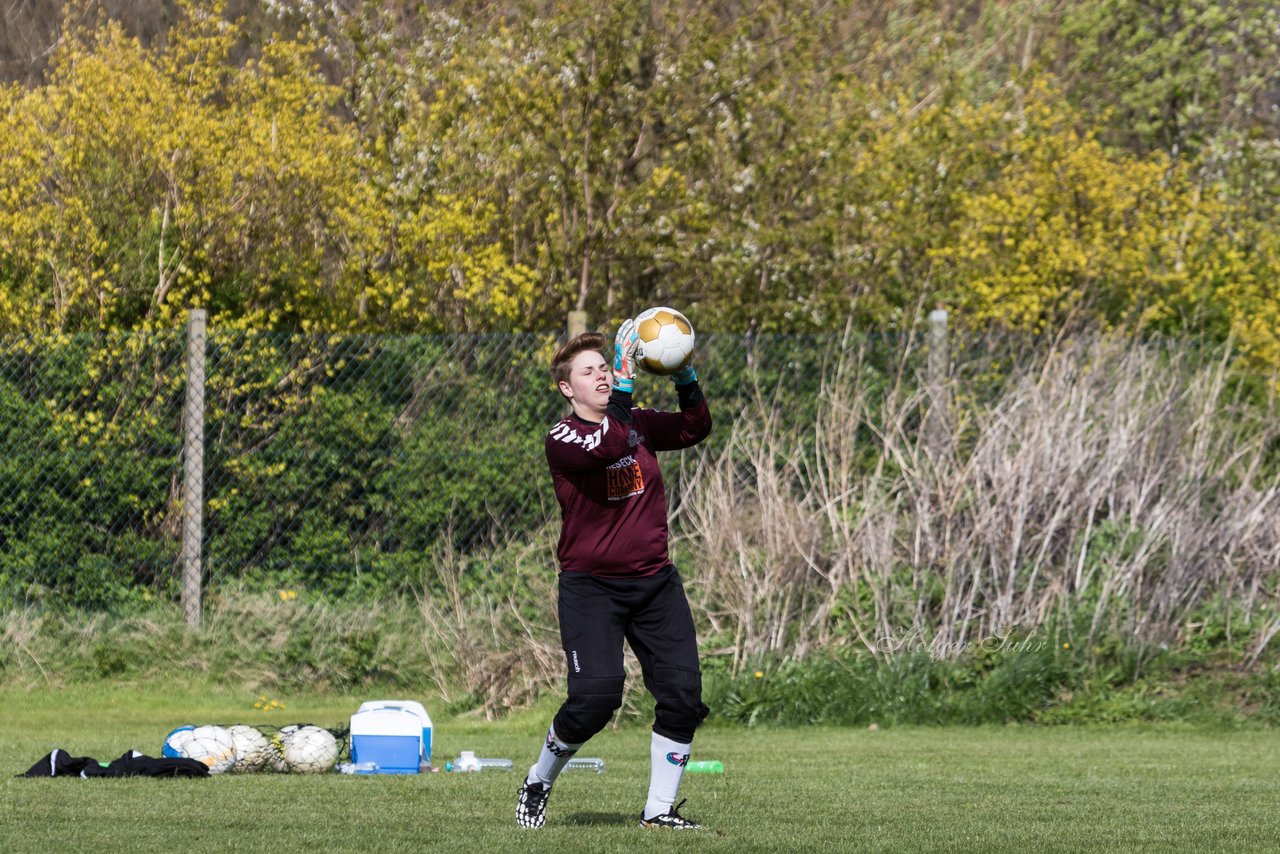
491,173
138,182
1068,232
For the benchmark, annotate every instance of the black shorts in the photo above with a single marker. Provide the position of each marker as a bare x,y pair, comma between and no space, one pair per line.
652,614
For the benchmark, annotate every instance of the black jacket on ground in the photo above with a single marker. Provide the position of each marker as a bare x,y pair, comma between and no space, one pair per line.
132,764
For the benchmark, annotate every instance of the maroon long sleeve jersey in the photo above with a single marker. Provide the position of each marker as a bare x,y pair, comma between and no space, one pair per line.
612,503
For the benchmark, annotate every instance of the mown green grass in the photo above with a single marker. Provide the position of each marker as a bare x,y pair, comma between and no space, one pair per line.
1013,788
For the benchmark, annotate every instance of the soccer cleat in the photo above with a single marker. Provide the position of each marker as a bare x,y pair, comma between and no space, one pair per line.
672,820
531,811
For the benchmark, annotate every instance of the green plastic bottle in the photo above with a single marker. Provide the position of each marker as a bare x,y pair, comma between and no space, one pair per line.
705,766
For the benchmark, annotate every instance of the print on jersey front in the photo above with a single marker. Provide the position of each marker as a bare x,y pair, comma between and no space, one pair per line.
624,479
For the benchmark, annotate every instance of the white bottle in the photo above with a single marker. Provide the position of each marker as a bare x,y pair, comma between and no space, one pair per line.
585,763
484,764
468,761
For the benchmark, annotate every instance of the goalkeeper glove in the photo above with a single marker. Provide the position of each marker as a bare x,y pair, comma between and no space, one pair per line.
625,344
685,375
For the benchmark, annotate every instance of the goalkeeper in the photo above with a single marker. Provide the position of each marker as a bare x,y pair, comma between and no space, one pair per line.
616,579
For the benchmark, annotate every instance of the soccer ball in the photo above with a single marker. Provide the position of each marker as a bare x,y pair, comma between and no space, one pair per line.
309,750
175,741
212,745
275,755
666,340
253,751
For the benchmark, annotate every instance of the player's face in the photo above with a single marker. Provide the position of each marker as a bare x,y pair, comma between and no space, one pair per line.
589,385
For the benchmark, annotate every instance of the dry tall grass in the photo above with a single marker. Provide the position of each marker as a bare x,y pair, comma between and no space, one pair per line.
489,653
1111,487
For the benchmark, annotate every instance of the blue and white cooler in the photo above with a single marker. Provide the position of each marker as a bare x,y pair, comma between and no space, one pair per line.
390,737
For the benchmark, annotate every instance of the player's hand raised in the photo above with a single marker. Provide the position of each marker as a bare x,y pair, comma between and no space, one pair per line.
625,344
685,375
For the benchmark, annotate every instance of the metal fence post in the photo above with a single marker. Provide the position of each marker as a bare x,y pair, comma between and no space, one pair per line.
193,468
938,424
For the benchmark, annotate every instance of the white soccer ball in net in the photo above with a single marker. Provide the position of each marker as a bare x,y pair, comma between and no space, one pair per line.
308,750
212,745
666,340
253,750
275,758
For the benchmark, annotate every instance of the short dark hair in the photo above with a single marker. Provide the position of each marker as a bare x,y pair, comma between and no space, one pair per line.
575,345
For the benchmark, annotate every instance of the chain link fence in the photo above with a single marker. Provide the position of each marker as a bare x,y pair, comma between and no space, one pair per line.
342,463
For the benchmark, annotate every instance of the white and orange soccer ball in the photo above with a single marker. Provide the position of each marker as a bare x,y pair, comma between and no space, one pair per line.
212,745
666,340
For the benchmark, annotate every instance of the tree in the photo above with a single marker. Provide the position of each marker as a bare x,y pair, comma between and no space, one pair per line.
1176,74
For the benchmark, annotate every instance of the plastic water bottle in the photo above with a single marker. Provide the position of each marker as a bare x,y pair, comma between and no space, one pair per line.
358,768
585,763
468,761
705,766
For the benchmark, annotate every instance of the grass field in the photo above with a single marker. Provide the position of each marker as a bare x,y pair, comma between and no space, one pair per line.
899,789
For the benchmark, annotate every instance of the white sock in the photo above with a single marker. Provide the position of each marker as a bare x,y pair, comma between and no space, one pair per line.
666,766
551,761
